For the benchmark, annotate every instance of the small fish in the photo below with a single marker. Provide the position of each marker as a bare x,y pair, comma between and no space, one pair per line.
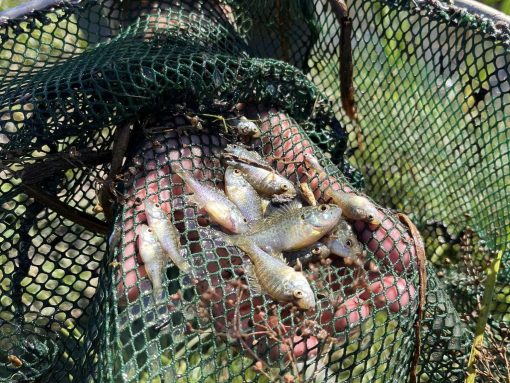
353,206
239,153
356,207
343,242
272,275
290,229
215,203
315,252
245,197
267,183
244,127
153,257
167,234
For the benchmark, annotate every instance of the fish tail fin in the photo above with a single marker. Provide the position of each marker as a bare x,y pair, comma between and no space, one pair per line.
251,277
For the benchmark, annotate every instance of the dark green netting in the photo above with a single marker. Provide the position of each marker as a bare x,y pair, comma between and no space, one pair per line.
433,98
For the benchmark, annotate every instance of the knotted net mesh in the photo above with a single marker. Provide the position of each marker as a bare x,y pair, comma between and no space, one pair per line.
98,101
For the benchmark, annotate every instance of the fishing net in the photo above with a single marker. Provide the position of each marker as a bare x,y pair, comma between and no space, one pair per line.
99,99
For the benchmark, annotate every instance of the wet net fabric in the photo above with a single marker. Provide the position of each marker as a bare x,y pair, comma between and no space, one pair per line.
432,93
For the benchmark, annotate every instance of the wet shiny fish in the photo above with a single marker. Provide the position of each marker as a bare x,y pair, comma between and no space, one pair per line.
353,206
272,275
290,229
167,234
244,196
153,257
268,183
343,242
221,210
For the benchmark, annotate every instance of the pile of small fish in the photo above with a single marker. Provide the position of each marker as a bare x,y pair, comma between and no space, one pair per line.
267,218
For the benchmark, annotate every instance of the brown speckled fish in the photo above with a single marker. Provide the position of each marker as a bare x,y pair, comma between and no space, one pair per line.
215,203
241,192
167,234
153,257
272,275
353,206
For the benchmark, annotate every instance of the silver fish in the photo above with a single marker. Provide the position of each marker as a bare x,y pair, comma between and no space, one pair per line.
167,234
153,258
241,192
215,203
267,183
290,229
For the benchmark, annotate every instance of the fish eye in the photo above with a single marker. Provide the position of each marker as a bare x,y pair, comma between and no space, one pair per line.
245,220
285,187
323,207
303,216
370,217
348,243
316,250
156,204
298,294
237,172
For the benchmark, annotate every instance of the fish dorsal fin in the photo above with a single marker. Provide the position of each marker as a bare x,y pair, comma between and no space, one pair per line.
286,208
249,273
274,215
279,256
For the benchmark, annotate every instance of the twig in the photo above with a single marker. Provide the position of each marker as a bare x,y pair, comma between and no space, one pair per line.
50,201
39,171
488,294
422,271
120,146
346,67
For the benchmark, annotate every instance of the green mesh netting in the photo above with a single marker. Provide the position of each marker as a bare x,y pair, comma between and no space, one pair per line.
433,99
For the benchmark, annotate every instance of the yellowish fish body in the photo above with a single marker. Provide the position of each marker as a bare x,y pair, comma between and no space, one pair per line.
291,229
268,183
274,277
167,234
153,258
353,206
220,209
